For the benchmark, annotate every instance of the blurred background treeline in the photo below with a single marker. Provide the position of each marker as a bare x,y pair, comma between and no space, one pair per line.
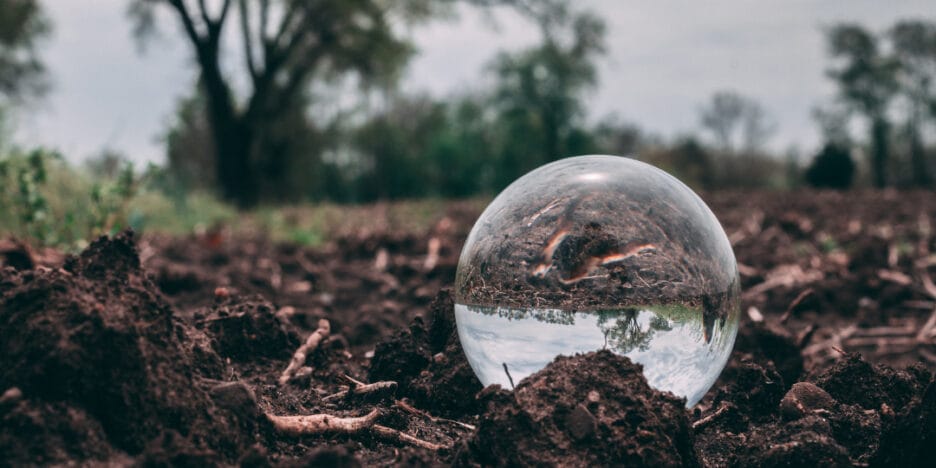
260,127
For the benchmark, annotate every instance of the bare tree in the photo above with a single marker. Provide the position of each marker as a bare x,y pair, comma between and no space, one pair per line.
736,122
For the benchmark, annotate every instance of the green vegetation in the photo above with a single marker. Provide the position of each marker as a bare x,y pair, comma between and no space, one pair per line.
48,203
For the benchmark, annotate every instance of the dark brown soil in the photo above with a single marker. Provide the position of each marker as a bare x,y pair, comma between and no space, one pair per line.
167,352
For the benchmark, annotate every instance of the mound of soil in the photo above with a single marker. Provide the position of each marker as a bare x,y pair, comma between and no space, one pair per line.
584,410
93,344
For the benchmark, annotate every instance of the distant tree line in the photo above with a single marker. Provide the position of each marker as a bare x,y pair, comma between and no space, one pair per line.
531,111
887,84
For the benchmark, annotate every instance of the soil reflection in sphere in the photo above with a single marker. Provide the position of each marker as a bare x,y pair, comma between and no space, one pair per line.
598,252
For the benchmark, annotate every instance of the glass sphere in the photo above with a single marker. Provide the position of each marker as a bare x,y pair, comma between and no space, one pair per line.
598,252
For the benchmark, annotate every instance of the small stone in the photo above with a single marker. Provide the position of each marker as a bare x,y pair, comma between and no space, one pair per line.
580,423
11,396
237,397
805,398
887,410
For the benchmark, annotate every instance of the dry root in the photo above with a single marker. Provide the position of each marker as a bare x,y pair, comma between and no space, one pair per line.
700,424
359,388
321,423
395,435
311,343
327,424
418,412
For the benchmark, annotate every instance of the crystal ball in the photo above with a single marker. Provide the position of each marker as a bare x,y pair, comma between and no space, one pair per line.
598,252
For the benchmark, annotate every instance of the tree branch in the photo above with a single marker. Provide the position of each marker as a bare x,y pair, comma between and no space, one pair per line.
225,8
248,41
284,25
298,76
203,9
214,25
264,19
189,26
276,59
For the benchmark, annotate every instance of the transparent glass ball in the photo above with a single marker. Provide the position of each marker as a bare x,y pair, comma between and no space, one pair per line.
598,252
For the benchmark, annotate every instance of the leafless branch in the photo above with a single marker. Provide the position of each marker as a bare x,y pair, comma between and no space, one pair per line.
189,26
248,40
701,423
418,412
799,298
404,438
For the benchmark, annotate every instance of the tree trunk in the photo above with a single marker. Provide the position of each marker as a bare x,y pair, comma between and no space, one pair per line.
921,176
236,176
234,136
880,130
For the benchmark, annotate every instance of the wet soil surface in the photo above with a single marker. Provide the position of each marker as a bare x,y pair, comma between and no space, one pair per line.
182,351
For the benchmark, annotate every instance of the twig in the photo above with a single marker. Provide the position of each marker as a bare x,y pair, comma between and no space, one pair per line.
926,262
893,256
895,277
381,260
927,327
928,355
402,437
11,395
352,380
806,334
363,389
418,412
299,357
926,305
928,285
321,423
708,419
882,341
783,276
754,314
746,270
432,255
886,350
835,341
508,376
799,298
886,332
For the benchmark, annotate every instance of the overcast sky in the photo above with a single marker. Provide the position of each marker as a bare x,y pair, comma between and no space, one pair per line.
665,59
